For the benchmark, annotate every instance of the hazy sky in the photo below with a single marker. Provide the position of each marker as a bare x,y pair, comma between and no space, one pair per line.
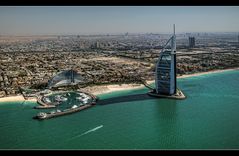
117,19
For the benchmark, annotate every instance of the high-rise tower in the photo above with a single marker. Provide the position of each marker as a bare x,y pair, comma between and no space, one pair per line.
165,79
165,72
191,42
238,40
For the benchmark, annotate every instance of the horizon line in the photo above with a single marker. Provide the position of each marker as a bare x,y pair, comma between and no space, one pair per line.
120,33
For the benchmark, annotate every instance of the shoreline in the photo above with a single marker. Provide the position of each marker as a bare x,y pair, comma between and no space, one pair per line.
208,72
16,98
113,88
103,89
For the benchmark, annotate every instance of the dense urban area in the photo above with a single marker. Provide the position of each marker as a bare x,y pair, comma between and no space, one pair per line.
108,59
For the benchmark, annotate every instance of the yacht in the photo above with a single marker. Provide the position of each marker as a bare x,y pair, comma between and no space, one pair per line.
75,106
41,115
46,100
60,98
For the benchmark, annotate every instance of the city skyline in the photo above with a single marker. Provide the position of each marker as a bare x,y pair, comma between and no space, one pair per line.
85,20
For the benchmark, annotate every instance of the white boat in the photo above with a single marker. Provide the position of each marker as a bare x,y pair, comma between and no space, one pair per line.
63,98
41,115
75,106
46,100
52,112
79,98
85,101
60,98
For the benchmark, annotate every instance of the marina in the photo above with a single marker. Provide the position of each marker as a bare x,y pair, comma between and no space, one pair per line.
64,102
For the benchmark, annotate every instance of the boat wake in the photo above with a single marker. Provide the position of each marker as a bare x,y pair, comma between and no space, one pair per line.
89,131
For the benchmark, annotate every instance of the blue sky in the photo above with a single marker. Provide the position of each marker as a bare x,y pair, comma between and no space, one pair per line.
117,19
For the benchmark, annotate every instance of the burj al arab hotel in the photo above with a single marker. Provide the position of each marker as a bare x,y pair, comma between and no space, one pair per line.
166,72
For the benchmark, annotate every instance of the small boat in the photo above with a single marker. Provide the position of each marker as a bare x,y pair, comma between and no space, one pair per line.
75,106
52,112
85,101
79,98
46,100
41,115
60,98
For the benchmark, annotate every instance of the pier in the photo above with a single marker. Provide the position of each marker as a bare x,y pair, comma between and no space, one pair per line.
42,116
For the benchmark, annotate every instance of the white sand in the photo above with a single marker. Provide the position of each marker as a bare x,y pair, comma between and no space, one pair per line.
15,99
203,73
113,88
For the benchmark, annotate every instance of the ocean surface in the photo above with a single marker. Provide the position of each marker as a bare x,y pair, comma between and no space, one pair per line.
207,119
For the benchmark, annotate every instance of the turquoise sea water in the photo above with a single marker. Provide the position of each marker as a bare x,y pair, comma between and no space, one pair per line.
207,119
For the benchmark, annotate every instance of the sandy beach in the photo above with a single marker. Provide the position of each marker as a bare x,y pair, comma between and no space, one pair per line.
203,73
102,89
15,99
112,88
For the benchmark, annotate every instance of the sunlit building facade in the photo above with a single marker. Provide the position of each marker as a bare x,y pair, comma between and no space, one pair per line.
65,78
165,79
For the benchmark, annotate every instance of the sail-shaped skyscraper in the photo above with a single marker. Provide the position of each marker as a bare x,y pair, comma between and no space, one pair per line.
166,71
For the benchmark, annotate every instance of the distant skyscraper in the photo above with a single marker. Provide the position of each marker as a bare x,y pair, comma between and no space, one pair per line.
97,44
191,42
126,35
238,41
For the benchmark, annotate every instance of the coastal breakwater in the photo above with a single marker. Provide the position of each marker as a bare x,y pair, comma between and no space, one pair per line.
42,116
